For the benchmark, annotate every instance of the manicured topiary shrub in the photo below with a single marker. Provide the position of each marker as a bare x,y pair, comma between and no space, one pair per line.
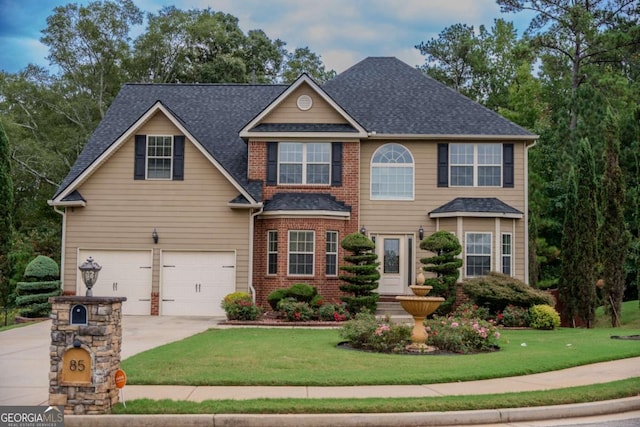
274,298
240,306
40,284
302,292
445,264
496,291
544,317
362,276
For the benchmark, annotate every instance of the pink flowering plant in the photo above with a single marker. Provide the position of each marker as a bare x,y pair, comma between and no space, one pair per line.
463,332
367,332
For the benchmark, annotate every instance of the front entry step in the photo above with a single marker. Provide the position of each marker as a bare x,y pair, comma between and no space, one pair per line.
391,308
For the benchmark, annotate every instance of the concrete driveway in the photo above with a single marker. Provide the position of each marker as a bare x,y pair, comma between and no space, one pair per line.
24,352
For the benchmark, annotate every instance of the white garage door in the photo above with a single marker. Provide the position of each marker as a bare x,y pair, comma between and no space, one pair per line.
194,283
123,274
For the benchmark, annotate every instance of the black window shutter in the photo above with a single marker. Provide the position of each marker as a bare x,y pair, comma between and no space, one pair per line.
178,157
507,165
140,155
336,164
272,163
443,165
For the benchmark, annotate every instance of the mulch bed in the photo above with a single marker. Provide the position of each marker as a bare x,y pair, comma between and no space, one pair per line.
271,319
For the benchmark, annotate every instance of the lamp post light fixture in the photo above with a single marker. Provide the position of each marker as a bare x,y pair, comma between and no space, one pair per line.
363,230
421,233
90,270
154,236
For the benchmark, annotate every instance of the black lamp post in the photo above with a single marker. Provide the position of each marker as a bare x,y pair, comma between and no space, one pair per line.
421,232
90,270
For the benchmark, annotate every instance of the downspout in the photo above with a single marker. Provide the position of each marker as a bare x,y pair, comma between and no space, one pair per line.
62,246
251,235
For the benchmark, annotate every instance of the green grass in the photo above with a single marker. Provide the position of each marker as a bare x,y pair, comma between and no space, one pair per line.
598,392
256,356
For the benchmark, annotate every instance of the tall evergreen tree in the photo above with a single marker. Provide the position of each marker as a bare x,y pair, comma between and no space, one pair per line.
579,241
614,238
6,215
6,194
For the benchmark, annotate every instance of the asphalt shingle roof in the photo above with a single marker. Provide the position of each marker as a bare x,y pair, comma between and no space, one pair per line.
388,96
213,114
305,202
383,95
476,204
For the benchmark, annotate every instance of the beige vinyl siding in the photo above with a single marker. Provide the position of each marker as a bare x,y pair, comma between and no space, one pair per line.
403,216
288,112
192,214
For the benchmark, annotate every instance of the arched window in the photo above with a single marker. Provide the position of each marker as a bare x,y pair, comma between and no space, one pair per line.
392,173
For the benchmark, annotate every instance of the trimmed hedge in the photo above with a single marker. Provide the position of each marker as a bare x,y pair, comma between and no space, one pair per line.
496,291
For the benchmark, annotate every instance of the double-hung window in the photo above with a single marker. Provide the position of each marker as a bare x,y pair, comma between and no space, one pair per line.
272,252
475,165
331,268
392,173
304,163
507,252
159,156
478,254
301,253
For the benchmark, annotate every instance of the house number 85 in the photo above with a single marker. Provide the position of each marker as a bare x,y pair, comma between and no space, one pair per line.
76,365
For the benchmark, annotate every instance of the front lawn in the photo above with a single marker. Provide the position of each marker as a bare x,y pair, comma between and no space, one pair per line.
262,356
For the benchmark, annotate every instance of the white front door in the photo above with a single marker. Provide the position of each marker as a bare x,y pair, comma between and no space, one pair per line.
391,252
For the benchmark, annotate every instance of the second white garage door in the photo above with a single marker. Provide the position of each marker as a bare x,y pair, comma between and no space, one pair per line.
194,283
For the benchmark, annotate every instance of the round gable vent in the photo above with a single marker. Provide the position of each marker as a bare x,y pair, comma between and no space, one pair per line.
304,102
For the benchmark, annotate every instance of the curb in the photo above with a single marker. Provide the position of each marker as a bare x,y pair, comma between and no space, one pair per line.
485,416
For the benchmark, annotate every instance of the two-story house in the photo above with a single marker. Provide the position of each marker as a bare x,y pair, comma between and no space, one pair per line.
187,192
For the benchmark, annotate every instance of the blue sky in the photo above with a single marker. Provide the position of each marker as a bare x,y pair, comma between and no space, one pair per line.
342,32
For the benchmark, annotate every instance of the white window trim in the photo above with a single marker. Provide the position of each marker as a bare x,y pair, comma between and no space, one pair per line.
146,158
392,165
304,164
467,254
502,254
313,264
476,165
332,253
269,252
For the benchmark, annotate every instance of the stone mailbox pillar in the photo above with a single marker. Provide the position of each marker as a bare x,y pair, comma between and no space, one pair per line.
86,336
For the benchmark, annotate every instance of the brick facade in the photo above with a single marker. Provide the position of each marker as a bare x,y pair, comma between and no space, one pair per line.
348,193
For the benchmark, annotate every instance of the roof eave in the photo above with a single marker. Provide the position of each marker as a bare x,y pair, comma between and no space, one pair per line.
445,137
306,213
303,135
476,215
